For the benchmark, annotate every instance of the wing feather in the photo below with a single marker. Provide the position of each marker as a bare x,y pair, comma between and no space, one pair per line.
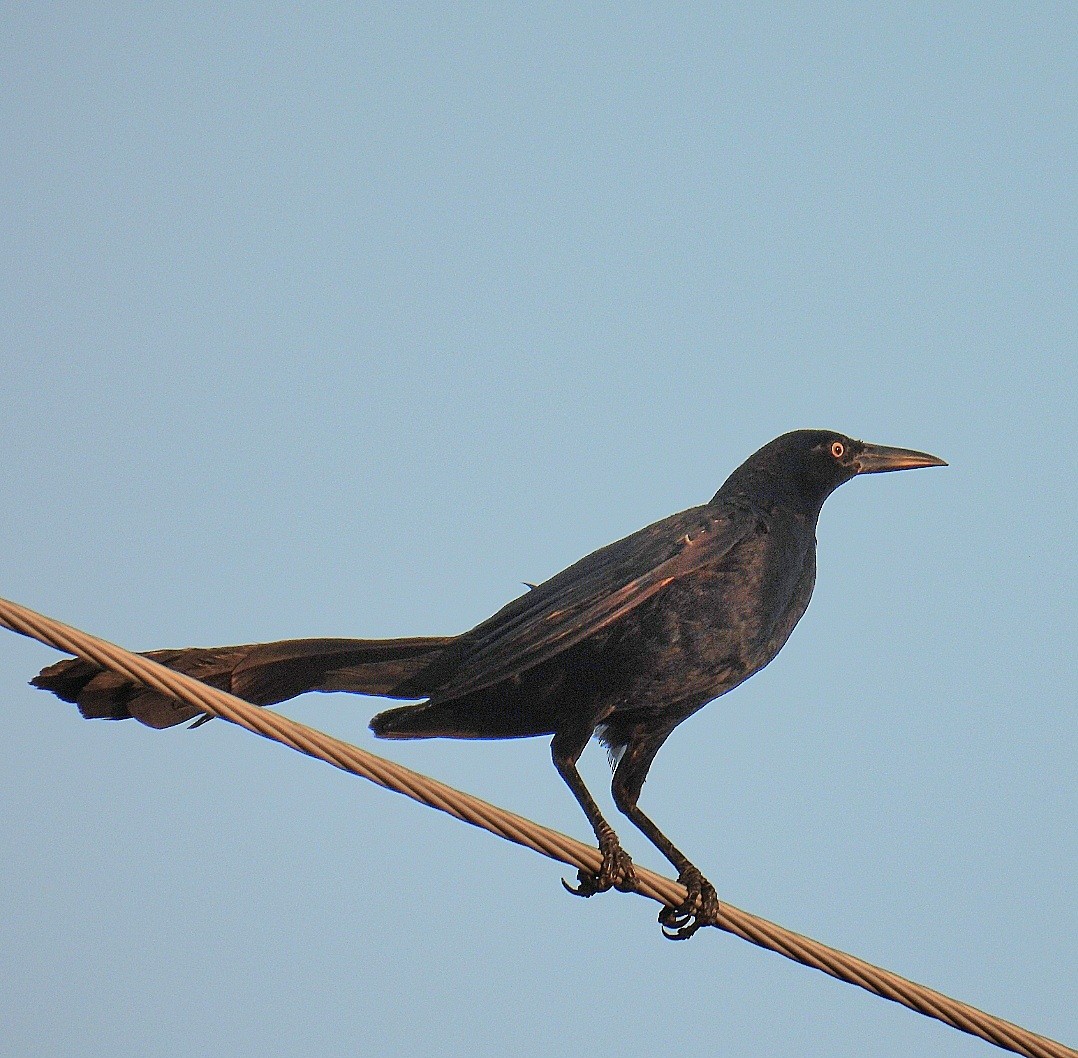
586,598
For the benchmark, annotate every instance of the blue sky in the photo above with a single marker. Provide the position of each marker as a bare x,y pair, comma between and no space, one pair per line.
339,322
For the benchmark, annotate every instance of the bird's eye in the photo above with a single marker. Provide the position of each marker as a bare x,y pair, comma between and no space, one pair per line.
838,449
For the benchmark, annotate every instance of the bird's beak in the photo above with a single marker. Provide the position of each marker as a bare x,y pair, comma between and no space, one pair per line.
877,459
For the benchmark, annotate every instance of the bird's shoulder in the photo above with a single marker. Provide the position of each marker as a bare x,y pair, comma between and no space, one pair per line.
671,546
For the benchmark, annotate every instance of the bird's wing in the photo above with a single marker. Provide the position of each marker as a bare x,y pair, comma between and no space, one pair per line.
587,597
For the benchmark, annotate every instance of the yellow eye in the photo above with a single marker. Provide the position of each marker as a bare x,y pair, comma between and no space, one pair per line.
838,449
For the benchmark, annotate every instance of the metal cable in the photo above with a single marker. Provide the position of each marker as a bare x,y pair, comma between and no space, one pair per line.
522,831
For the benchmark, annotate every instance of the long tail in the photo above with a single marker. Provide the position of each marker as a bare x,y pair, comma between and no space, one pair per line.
261,673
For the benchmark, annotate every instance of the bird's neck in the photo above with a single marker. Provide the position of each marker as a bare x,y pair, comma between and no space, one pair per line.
768,490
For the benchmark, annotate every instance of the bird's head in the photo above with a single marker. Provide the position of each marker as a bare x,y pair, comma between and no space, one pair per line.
805,466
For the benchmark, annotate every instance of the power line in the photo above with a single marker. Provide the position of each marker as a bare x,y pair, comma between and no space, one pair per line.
523,831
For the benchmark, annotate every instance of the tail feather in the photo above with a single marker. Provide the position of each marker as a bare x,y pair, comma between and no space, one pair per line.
261,673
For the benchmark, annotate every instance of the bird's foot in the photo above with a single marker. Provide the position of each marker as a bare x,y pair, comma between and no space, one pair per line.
700,907
616,872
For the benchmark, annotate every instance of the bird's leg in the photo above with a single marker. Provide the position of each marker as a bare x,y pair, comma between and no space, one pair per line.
616,870
701,904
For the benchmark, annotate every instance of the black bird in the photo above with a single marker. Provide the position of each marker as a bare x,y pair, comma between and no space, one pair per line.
624,644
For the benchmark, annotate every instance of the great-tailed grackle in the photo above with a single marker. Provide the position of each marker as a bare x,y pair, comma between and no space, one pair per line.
624,644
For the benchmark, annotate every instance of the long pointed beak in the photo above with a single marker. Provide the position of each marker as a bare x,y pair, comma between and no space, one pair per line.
878,459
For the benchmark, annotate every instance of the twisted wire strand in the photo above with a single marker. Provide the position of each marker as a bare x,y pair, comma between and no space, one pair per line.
556,846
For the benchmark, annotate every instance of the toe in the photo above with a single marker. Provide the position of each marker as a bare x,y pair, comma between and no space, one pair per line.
699,908
622,875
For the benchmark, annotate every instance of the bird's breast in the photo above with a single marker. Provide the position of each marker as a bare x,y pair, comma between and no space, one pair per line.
703,635
767,591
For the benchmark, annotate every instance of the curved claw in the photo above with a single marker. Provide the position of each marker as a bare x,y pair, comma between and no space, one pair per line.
700,907
616,872
682,929
587,884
